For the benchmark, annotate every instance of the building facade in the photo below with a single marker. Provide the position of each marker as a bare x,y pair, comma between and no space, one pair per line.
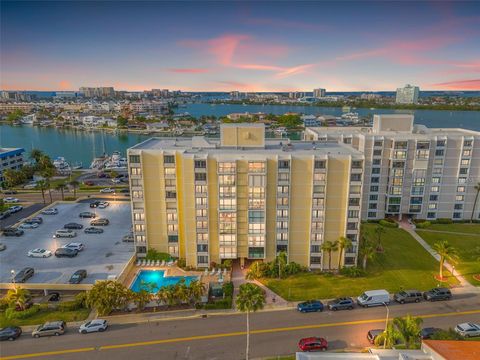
413,170
245,197
10,158
407,95
319,93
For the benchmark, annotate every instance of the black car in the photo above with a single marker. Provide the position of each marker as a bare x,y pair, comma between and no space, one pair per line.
341,304
23,275
78,276
66,252
73,226
100,222
373,334
87,214
407,296
12,232
95,203
437,294
10,333
93,230
35,220
428,332
123,191
54,296
4,215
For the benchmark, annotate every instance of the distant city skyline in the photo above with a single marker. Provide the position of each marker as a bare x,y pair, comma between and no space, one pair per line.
244,46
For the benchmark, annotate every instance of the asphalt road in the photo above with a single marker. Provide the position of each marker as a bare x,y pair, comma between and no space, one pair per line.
223,336
24,213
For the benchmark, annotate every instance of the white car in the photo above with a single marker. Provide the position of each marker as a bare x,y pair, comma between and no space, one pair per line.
107,191
74,246
10,200
116,181
468,329
93,326
51,211
103,204
25,226
39,253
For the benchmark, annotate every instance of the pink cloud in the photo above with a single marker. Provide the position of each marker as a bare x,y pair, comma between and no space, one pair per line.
189,70
281,23
260,67
294,70
65,85
473,84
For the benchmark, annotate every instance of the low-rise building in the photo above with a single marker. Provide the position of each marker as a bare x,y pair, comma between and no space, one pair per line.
10,158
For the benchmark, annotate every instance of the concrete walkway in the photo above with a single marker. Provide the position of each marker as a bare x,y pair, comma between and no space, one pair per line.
465,285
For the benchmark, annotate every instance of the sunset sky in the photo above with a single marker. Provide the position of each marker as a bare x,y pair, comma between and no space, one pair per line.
224,46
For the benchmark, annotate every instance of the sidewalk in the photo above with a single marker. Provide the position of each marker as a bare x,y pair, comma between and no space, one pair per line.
465,285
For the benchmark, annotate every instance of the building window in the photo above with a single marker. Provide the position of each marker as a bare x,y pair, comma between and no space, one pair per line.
256,166
439,152
375,180
434,189
282,248
467,143
169,159
226,179
355,177
354,202
135,159
320,164
441,143
460,188
202,248
433,197
374,188
374,197
377,152
467,152
200,201
200,177
431,215
465,162
137,194
372,214
169,171
378,143
457,215
458,206
377,162
173,238
135,171
138,216
200,164
352,226
226,167
357,164
171,194
376,170
315,249
372,206
139,227
459,198
283,164
353,214
463,171
283,177
315,260
202,259
318,176
172,227
202,237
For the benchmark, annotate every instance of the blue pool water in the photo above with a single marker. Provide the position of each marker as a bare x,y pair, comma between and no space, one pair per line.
158,278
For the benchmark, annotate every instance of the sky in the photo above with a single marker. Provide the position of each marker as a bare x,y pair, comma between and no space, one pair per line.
244,46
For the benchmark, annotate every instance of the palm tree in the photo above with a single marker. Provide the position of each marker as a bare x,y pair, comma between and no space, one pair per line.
343,242
409,328
141,298
107,296
61,186
196,290
389,337
329,247
47,174
36,154
367,251
446,252
42,185
181,292
477,187
18,297
74,184
250,298
162,296
379,231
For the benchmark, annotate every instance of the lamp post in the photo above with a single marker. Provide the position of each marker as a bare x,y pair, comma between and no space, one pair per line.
12,272
386,324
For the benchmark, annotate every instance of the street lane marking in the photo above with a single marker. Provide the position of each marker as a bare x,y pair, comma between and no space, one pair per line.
223,335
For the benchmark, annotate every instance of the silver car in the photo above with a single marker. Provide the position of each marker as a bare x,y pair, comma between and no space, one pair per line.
97,325
468,329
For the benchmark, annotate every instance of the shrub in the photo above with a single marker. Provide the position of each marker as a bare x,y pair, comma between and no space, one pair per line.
3,304
69,306
423,225
219,304
11,313
181,263
390,220
228,289
227,263
153,254
352,272
388,224
293,268
443,221
69,198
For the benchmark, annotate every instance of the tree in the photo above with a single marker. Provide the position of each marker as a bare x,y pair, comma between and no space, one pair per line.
75,185
162,296
122,121
181,292
379,231
409,328
389,337
367,251
343,242
42,185
107,295
449,334
255,271
12,177
329,247
250,298
195,291
141,298
446,252
48,173
36,154
477,188
61,186
18,297
281,260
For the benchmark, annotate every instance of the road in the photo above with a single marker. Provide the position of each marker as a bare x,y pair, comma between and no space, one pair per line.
221,337
22,214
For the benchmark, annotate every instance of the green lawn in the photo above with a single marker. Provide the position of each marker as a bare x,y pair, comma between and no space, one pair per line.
469,262
403,265
463,228
44,316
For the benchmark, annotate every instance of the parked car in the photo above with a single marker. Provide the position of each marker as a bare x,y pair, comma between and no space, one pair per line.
468,329
65,252
54,296
50,328
437,294
9,192
73,226
14,209
341,304
10,333
4,215
74,245
35,220
95,203
2,246
101,175
10,200
374,298
87,214
93,230
65,233
26,226
97,325
100,222
116,181
407,296
124,191
373,334
107,191
89,183
427,332
310,306
23,275
40,253
103,204
51,211
128,238
313,344
78,276
11,231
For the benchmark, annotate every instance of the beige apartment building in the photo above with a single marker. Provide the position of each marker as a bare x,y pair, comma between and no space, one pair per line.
412,170
245,197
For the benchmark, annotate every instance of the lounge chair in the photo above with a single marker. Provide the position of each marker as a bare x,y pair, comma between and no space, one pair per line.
149,263
163,263
142,263
170,263
205,273
139,262
224,271
213,272
158,263
219,272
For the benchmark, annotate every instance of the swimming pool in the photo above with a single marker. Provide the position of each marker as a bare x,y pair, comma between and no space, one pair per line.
158,278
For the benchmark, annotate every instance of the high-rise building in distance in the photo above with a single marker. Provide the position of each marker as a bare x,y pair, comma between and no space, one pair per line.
319,93
407,95
90,92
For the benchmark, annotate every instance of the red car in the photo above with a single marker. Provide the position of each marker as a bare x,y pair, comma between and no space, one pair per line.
89,183
313,344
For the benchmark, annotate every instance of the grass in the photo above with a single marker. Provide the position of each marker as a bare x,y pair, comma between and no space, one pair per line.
467,247
404,264
46,315
461,228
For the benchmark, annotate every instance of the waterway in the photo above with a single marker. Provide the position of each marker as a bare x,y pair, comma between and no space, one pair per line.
80,146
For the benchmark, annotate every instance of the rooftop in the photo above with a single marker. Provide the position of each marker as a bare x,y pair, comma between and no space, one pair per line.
453,349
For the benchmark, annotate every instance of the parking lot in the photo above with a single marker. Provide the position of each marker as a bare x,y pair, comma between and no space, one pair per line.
104,254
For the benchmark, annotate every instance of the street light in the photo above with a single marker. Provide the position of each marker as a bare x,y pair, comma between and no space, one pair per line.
386,323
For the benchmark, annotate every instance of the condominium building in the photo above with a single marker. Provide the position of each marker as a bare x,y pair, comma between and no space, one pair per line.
407,95
412,170
10,158
245,197
90,92
319,93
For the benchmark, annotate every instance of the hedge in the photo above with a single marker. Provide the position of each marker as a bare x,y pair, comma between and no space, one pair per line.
11,313
219,304
423,224
389,224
